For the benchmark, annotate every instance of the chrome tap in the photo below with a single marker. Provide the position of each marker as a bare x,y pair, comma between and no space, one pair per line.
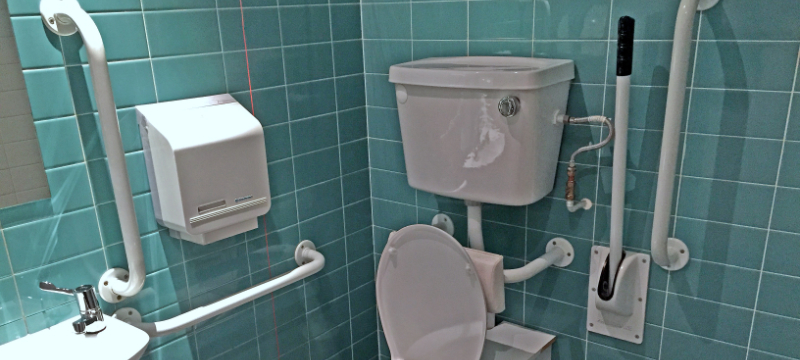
91,321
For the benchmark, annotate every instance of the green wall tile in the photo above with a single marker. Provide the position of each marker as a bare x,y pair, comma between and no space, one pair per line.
303,25
346,22
48,92
261,27
745,65
183,32
348,59
319,199
350,92
123,37
313,134
69,188
177,4
386,21
440,21
733,21
589,57
324,229
738,113
434,48
310,99
500,20
385,53
37,47
790,165
9,304
266,70
776,334
585,19
308,62
59,141
316,167
781,252
176,77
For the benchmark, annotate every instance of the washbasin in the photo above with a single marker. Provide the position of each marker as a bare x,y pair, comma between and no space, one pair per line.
119,341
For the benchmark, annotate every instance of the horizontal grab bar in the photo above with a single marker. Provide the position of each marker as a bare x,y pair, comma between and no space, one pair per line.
306,255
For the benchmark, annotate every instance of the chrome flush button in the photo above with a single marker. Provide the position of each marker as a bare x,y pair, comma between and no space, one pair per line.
508,106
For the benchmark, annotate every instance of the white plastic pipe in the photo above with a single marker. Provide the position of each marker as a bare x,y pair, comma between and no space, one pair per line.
618,174
679,67
474,228
64,17
534,267
312,262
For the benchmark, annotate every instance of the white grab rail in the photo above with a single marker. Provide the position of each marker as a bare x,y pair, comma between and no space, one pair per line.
310,261
65,17
672,254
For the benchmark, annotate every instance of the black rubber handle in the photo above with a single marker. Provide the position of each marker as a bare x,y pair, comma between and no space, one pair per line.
625,46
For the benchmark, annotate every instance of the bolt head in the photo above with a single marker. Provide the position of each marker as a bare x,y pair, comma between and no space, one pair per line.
51,20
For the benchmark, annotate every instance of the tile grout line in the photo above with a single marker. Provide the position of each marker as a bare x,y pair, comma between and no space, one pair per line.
291,151
680,180
341,177
599,159
772,209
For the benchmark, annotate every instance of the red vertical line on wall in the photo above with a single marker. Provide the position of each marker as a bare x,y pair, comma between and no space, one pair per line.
266,237
247,61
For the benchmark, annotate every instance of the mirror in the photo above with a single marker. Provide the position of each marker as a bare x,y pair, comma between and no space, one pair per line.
22,176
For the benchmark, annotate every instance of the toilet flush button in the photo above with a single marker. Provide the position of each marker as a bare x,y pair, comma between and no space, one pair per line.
402,95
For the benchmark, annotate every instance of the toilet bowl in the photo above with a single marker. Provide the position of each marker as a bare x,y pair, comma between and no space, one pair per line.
432,305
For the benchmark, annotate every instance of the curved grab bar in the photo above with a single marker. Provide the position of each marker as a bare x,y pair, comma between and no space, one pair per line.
65,17
306,255
555,256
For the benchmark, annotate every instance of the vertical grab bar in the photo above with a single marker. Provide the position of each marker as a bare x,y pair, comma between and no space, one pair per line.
672,254
66,17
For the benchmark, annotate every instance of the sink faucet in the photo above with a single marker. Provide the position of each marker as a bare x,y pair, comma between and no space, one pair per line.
91,321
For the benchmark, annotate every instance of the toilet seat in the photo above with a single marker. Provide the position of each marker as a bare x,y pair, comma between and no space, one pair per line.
429,297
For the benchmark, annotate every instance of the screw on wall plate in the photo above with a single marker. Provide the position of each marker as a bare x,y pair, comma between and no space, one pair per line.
644,261
637,336
51,20
554,243
683,251
640,299
596,252
594,289
590,324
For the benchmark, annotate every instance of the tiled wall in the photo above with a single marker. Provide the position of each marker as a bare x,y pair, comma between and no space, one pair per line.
305,62
739,170
22,177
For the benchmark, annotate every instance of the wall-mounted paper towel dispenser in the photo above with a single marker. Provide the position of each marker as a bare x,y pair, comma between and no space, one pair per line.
207,166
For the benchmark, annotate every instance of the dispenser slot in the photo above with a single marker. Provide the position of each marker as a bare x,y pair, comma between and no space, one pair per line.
210,206
214,215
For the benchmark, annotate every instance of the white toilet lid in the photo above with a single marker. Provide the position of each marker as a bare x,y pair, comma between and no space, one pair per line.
429,297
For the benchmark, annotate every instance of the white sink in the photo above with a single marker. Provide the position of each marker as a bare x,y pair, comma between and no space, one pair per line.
119,341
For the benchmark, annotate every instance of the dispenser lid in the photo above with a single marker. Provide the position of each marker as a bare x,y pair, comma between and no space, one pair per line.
197,121
429,296
483,72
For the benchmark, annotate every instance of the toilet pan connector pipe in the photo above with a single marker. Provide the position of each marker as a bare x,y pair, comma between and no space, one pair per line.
474,229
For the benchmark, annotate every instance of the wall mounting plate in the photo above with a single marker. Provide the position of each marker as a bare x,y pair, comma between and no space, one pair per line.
442,221
128,315
634,272
104,287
